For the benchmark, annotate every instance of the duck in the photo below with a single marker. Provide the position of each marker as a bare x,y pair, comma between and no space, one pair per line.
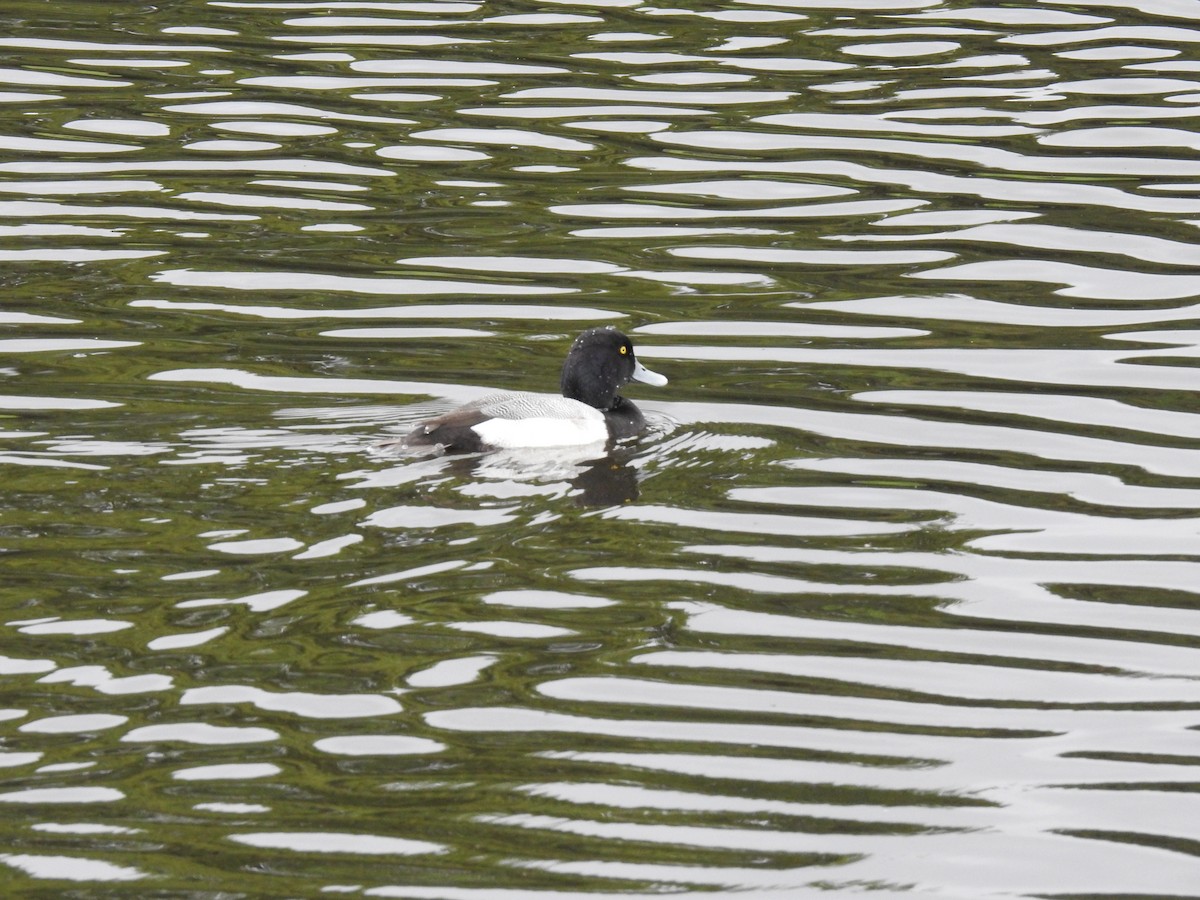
587,410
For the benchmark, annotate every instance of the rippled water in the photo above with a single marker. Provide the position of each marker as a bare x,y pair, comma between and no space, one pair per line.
898,595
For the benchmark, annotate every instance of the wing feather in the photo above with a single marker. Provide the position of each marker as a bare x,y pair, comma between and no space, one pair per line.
536,406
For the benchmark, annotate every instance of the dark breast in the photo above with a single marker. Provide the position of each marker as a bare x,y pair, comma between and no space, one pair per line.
624,419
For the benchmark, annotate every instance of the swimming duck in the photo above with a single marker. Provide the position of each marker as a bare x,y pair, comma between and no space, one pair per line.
589,410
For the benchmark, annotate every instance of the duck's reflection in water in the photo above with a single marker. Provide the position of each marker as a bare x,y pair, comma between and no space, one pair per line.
592,475
609,481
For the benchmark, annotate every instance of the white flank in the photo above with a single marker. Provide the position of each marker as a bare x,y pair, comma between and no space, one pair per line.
542,431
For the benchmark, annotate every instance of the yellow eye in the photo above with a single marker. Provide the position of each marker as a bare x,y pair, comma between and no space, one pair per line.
624,351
